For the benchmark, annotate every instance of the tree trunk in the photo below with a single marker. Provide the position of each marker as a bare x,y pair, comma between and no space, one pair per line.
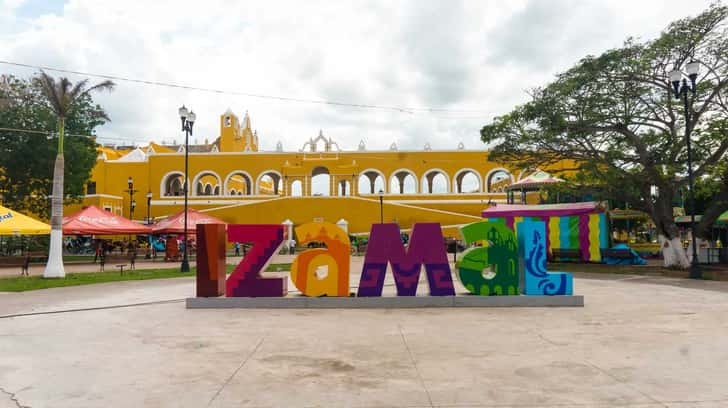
718,205
673,253
54,267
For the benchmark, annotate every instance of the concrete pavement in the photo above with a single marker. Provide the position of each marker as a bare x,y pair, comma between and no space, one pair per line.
638,342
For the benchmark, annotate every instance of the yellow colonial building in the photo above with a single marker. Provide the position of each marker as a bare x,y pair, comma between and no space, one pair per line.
233,180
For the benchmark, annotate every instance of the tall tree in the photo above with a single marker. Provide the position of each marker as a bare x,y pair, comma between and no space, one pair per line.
61,97
614,114
27,158
713,192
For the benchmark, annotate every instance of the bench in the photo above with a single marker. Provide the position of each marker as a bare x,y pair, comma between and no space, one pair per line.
566,253
118,260
616,253
21,261
37,257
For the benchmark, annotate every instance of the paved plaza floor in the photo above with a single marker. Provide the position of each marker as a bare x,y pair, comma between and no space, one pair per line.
639,342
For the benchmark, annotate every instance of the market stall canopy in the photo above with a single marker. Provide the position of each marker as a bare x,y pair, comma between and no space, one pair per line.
723,219
542,210
15,223
535,180
176,224
618,214
95,221
685,219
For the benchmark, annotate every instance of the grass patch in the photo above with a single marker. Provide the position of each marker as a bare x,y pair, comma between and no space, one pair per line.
26,283
22,284
281,267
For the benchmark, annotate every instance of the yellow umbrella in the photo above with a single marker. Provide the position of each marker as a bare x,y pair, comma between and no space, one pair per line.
15,223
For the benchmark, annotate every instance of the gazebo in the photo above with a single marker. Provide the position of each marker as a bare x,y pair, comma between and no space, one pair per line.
534,182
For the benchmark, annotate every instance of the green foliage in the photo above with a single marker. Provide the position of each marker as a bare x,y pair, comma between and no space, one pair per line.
615,116
27,158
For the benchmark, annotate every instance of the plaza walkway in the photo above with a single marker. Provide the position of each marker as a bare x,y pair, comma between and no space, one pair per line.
639,342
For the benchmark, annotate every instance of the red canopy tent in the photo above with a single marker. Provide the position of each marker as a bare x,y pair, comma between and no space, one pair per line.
94,221
175,224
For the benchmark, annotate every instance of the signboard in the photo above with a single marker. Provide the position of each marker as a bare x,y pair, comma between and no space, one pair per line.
499,262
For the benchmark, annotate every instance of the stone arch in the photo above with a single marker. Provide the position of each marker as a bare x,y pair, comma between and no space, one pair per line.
398,181
296,188
457,181
371,181
276,181
203,173
343,188
172,184
492,176
247,182
321,175
428,179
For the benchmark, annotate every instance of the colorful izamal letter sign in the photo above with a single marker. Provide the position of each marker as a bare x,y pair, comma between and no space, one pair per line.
322,271
500,262
425,248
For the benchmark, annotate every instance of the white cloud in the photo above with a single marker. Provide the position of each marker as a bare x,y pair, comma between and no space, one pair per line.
478,55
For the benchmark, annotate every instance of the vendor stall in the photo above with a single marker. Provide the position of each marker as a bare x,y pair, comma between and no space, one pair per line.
580,228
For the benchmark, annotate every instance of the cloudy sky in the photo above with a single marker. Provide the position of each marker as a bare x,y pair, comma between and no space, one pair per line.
469,61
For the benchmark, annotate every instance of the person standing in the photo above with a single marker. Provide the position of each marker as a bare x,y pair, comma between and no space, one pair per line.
98,244
237,249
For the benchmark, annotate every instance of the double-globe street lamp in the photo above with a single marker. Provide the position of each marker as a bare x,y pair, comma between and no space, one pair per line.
681,88
188,121
131,191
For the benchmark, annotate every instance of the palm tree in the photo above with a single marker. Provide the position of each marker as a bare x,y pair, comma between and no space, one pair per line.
61,96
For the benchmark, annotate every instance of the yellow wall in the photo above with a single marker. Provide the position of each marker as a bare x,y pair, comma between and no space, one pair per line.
239,166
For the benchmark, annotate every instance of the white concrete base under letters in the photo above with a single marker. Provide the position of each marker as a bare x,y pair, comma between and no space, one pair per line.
385,302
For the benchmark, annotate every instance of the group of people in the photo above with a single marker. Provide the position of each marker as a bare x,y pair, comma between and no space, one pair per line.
103,247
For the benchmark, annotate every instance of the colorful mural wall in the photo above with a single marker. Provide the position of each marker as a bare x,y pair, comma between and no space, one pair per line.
578,226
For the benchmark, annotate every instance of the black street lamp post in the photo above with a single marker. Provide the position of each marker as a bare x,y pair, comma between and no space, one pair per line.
681,88
381,207
131,191
188,121
149,207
